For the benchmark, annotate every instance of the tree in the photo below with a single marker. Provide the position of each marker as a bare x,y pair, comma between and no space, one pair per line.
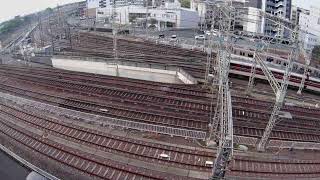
185,3
153,21
11,25
49,10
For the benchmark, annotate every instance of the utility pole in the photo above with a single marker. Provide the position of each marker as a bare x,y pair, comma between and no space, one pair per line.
40,29
114,31
147,12
59,20
70,36
209,56
52,36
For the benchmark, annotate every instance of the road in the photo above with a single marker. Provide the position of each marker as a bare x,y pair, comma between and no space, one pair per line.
10,169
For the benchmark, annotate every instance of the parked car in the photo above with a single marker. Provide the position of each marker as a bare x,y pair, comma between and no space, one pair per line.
200,37
161,36
173,38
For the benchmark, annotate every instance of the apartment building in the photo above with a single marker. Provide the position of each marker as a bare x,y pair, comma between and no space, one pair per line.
280,8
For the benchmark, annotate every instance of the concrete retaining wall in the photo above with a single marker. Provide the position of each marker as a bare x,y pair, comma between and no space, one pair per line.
122,68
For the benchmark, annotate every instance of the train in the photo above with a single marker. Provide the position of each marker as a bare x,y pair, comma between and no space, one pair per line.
242,62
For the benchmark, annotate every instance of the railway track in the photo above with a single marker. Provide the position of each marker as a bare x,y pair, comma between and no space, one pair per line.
182,158
249,166
274,169
189,91
237,100
134,115
100,46
243,124
84,162
261,105
169,102
149,52
114,144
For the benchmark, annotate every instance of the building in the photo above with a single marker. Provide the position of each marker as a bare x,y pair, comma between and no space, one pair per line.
81,9
250,20
252,23
296,12
92,7
280,8
159,14
309,22
244,10
310,40
206,12
248,16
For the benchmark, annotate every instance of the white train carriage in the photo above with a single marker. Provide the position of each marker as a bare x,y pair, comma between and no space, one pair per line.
242,65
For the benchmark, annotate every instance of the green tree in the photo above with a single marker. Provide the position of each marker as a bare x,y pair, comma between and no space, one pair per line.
11,25
185,3
48,9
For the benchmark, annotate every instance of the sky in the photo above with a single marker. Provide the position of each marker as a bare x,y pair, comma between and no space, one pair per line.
11,8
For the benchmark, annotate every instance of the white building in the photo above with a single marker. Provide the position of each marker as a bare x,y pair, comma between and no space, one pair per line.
205,15
296,12
92,7
248,21
311,22
310,26
310,40
253,20
166,15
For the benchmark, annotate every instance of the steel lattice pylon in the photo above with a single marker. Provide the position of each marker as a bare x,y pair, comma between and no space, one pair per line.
280,97
280,91
221,125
